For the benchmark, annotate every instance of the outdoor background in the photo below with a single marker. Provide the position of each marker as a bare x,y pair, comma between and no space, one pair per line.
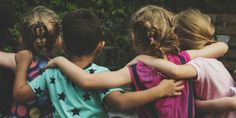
115,17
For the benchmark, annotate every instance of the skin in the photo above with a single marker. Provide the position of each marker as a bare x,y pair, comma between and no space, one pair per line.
120,77
187,71
116,99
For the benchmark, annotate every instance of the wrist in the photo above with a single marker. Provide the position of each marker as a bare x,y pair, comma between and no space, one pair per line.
160,92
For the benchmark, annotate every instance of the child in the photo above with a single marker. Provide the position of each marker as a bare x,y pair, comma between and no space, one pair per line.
6,74
212,81
70,100
153,35
41,34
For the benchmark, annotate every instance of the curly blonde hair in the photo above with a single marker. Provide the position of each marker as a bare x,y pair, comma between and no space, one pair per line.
153,31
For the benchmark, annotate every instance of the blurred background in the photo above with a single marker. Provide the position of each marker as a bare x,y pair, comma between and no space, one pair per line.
115,16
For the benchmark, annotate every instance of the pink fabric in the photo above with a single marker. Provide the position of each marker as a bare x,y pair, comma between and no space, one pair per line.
213,81
169,107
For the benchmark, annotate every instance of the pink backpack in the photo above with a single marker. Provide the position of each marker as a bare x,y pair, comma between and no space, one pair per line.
144,77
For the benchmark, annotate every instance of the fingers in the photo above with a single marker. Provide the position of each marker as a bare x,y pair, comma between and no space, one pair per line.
177,93
178,83
179,88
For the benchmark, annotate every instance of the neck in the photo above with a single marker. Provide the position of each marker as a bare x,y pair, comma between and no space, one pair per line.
83,61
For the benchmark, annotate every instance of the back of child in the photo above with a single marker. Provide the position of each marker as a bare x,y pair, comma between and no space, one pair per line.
153,30
6,75
41,32
213,80
83,38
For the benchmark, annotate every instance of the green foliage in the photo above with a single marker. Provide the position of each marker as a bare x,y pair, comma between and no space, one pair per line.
115,17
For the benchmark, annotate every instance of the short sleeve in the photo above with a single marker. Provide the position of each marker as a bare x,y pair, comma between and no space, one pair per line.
185,55
198,64
39,85
104,92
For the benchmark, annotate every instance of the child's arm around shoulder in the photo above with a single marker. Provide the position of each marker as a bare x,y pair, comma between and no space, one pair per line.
8,60
21,89
217,105
129,100
213,50
91,81
170,69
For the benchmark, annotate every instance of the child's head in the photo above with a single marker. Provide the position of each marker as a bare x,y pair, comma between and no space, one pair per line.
153,31
6,21
42,31
82,32
194,29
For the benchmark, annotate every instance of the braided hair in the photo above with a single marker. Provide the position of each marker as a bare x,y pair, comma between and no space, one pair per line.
41,31
153,29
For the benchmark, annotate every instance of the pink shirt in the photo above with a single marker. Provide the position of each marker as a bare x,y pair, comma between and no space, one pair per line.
168,107
213,81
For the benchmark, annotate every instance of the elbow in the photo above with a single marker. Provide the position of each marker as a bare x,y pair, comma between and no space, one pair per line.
18,96
225,48
120,105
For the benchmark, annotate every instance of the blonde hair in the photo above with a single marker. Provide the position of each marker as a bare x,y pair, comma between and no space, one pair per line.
194,29
153,30
42,32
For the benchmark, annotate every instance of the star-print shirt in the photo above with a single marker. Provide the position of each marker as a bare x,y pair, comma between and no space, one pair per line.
40,107
70,101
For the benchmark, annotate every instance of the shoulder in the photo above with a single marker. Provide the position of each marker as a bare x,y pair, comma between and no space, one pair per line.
52,71
185,55
98,68
204,63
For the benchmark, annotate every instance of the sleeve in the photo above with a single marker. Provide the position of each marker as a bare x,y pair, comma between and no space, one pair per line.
198,64
104,92
185,55
39,84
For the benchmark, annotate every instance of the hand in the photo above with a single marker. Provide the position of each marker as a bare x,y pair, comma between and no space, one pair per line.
53,62
171,87
24,57
140,58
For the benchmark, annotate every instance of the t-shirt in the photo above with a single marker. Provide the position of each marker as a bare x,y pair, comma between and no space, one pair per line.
168,107
69,100
40,107
213,81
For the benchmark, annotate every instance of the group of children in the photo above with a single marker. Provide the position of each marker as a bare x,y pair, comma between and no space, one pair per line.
80,88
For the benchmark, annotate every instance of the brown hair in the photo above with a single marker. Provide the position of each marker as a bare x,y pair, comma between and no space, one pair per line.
194,29
153,30
42,32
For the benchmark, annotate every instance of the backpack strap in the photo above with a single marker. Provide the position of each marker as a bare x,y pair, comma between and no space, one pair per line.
150,106
190,97
140,86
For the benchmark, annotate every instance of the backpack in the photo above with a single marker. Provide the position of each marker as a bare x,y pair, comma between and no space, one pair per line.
150,110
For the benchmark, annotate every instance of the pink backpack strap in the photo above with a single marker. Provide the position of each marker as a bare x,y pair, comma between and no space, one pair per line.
147,110
190,96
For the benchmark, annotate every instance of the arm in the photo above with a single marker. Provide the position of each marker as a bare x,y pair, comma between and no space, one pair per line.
217,105
91,81
214,50
130,100
172,70
21,90
8,60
